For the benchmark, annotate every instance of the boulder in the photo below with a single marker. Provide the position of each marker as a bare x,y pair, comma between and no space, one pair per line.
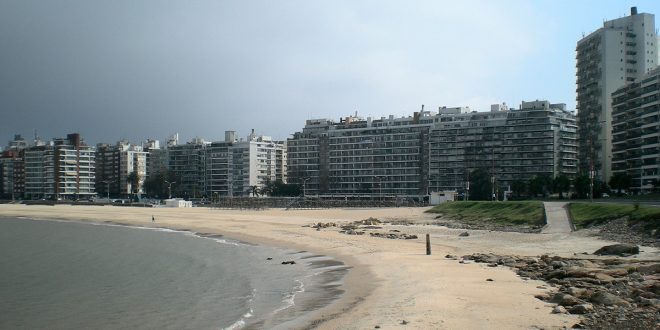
564,299
607,299
650,269
618,250
581,309
464,234
559,310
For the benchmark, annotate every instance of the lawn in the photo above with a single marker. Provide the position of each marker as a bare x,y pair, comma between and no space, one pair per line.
588,214
528,213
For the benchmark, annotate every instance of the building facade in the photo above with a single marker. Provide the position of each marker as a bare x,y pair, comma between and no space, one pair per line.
61,169
238,168
636,131
187,163
620,52
539,138
121,169
432,152
369,158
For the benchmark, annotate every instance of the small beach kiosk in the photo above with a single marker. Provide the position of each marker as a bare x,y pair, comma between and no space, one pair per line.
177,202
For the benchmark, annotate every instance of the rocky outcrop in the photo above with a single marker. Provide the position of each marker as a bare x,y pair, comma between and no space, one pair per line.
618,250
609,293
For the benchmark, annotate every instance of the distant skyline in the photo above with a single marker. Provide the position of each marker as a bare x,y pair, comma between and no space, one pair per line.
113,70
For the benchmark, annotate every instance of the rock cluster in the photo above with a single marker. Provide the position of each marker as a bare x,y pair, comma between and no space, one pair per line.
621,230
393,235
610,293
486,225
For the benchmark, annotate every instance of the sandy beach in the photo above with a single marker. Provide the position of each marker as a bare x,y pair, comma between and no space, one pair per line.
391,282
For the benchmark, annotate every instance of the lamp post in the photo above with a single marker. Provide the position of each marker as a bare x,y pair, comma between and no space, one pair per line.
380,187
169,187
107,189
304,180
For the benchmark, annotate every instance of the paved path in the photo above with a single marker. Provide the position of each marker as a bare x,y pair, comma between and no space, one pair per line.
557,218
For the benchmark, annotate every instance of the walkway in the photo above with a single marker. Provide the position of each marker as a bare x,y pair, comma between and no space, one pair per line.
557,218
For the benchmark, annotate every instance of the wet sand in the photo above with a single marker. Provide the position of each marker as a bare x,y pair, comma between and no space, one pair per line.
391,281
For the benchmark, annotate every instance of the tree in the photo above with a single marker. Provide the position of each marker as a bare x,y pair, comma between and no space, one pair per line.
519,188
582,184
480,185
620,181
539,185
134,179
561,184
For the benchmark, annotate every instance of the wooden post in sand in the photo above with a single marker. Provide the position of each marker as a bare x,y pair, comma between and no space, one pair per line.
428,244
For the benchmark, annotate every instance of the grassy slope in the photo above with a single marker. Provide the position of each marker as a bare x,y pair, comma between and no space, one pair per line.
586,214
511,213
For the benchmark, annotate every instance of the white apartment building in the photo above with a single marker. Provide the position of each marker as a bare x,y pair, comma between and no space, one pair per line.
620,52
234,168
62,169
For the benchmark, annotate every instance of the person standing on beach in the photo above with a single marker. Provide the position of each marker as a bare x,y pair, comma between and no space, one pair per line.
153,219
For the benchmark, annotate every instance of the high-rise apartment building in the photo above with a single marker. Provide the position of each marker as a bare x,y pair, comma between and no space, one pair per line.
620,52
234,168
121,169
362,157
539,138
187,163
636,131
427,152
12,169
61,169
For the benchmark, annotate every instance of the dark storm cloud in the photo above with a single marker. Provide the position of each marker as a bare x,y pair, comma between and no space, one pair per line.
140,69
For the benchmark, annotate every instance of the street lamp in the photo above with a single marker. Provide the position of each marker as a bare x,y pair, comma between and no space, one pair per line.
169,187
304,180
380,187
107,188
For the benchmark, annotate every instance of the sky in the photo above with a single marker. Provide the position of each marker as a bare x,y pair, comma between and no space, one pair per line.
127,69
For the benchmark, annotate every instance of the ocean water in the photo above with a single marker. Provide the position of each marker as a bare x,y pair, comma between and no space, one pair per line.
69,275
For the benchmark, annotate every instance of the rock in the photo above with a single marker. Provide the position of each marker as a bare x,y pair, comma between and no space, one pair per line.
377,327
578,292
559,310
492,265
618,250
449,256
557,264
581,309
564,299
269,258
404,322
489,280
649,269
290,262
607,299
464,234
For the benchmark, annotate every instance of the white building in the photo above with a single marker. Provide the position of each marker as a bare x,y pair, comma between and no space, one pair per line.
621,51
63,169
234,168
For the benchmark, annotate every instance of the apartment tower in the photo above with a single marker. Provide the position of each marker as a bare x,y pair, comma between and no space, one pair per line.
620,52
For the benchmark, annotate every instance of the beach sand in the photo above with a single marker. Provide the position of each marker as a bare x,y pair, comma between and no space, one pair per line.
391,282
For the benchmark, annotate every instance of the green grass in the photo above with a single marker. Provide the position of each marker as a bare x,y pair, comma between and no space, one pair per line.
528,213
588,214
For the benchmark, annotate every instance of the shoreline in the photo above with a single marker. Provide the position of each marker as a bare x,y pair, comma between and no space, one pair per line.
391,282
276,320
